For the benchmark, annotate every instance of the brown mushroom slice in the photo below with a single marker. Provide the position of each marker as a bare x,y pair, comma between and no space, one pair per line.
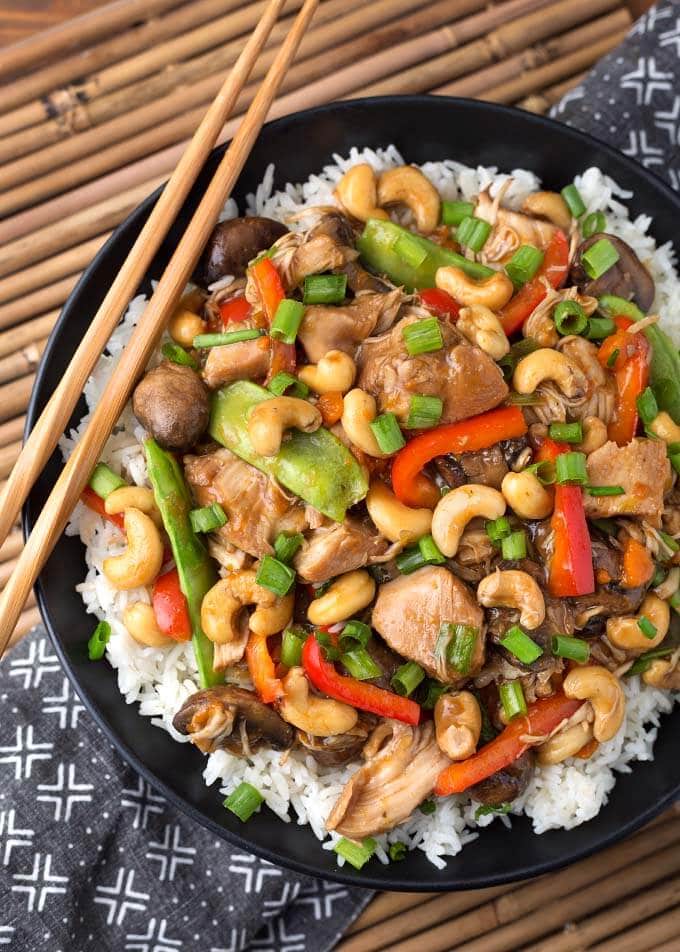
507,784
233,244
390,785
340,749
171,402
628,278
233,719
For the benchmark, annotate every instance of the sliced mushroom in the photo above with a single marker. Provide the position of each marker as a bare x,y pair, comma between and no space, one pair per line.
340,749
233,244
507,784
628,278
233,719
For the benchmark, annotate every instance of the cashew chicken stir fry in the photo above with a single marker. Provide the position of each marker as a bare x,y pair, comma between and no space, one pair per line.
414,471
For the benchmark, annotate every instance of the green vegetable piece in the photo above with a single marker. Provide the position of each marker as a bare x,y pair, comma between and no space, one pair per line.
208,518
356,854
397,852
178,355
96,646
275,576
104,481
244,801
487,809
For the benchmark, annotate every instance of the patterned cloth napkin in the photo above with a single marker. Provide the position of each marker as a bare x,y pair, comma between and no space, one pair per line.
91,858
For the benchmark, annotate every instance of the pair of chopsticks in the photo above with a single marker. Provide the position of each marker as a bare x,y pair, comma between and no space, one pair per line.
54,418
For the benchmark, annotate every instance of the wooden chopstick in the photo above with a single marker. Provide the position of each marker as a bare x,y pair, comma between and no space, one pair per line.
61,501
56,414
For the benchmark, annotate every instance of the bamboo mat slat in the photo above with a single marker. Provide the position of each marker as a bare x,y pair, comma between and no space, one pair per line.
96,117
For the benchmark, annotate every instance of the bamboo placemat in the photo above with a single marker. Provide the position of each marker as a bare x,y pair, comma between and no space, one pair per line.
93,116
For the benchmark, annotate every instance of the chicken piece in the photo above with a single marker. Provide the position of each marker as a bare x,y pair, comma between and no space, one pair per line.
510,230
600,391
410,611
390,785
321,252
257,510
337,548
248,359
641,467
467,379
327,328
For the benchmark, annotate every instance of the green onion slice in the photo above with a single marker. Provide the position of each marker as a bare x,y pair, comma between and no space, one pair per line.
407,678
524,264
244,801
283,382
356,854
424,412
514,546
104,481
543,471
571,468
428,807
605,490
430,551
286,545
461,646
644,661
387,433
519,644
570,318
453,213
433,691
566,432
512,699
599,258
576,649
208,518
423,337
646,627
668,541
203,341
498,529
410,560
275,576
360,664
324,289
599,328
355,634
292,644
96,646
331,653
647,406
178,355
593,223
287,321
574,202
488,808
397,851
473,233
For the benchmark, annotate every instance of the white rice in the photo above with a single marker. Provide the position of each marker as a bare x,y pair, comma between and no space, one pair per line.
295,787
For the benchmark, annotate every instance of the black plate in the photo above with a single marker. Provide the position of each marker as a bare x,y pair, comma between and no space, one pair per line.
422,128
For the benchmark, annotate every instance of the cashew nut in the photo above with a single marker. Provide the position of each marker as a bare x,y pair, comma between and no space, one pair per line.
223,604
526,496
140,621
481,326
397,522
185,325
664,426
603,689
141,561
492,292
565,743
513,589
334,373
357,192
662,674
321,717
458,724
548,364
358,412
270,419
456,508
548,205
594,435
625,632
347,595
407,185
133,497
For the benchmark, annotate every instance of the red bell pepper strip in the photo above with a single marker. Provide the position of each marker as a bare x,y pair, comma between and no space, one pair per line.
269,286
541,718
631,368
571,566
170,607
262,669
365,697
553,270
235,311
476,433
96,504
440,303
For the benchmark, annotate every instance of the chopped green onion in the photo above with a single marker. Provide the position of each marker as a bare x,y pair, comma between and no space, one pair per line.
574,202
410,250
104,481
473,233
512,699
519,644
430,551
612,306
488,731
324,289
410,560
571,468
424,412
291,648
674,602
387,434
407,678
397,852
461,646
283,381
524,264
208,518
599,258
96,646
433,691
605,490
275,576
525,399
660,574
646,627
322,588
514,546
360,664
286,545
488,808
178,355
498,529
613,357
423,337
453,213
287,321
203,341
428,807
599,328
331,653
669,541
593,223
543,471
644,661
356,854
647,406
354,634
608,526
244,801
521,349
566,432
576,649
570,318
